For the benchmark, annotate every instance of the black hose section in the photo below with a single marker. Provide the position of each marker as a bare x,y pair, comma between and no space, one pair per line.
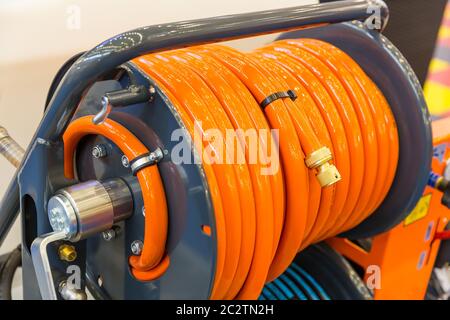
95,290
8,265
9,208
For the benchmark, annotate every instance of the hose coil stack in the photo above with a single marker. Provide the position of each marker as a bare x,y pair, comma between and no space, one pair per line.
335,138
262,221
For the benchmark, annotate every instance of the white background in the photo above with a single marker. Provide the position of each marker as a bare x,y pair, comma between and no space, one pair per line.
38,36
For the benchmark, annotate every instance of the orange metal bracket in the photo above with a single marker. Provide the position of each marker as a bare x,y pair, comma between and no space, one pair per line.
405,255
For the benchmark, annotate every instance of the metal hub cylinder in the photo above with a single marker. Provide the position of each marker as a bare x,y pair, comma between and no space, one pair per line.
90,207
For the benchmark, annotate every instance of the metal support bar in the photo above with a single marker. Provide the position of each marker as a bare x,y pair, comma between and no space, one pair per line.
129,45
42,265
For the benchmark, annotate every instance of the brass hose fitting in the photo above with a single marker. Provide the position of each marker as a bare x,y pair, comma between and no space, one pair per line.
327,174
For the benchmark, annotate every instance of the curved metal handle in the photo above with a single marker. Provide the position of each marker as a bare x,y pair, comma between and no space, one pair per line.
131,95
104,112
126,46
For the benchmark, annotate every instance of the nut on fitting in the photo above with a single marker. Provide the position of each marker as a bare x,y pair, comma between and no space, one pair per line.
328,175
318,157
67,253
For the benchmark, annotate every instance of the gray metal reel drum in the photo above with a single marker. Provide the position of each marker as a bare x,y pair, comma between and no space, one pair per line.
192,252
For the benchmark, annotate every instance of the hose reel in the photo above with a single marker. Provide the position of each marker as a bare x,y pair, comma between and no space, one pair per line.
208,229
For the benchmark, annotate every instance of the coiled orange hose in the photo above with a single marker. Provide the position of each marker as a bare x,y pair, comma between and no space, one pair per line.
153,262
268,219
262,221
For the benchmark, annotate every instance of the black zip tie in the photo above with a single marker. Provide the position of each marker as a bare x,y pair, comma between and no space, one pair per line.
278,95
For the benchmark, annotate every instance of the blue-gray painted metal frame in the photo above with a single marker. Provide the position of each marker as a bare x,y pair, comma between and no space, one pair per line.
189,276
124,47
129,45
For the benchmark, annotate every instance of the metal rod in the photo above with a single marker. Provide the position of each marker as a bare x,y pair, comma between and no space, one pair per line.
14,153
10,149
129,45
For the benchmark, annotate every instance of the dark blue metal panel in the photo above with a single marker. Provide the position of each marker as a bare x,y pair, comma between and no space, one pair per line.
40,176
192,253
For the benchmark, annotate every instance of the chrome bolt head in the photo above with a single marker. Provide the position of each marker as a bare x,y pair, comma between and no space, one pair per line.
125,161
156,155
108,235
99,151
136,247
152,92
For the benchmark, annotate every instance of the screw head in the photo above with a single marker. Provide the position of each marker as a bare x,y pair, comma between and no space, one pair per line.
108,235
58,220
125,161
136,247
156,155
99,151
152,92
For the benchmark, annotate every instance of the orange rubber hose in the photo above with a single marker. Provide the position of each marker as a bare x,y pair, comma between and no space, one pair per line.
365,120
151,263
263,220
333,109
328,113
248,208
218,82
386,130
319,200
346,112
292,157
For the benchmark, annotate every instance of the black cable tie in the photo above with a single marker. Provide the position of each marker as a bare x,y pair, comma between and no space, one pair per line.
278,95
